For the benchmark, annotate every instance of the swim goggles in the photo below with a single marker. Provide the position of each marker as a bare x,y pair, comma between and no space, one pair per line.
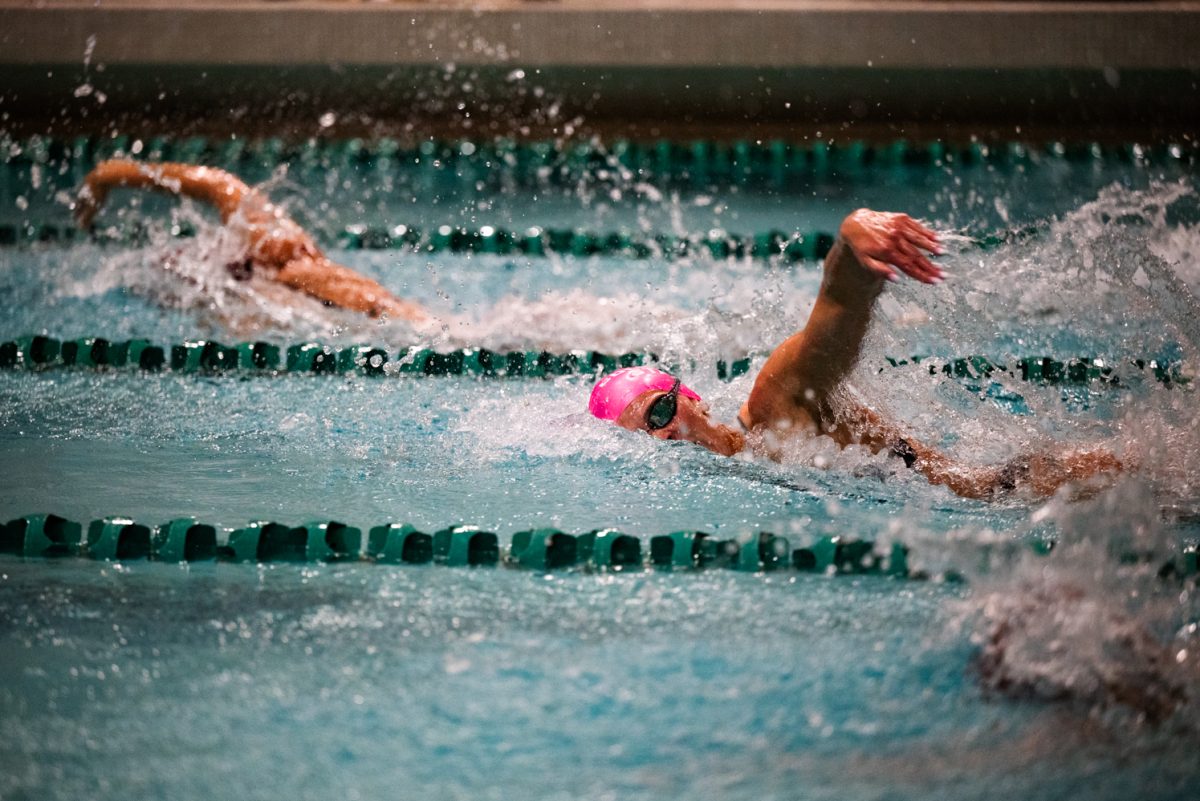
662,411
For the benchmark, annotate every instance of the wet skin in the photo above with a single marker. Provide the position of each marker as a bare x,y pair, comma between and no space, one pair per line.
1041,475
275,245
796,391
691,423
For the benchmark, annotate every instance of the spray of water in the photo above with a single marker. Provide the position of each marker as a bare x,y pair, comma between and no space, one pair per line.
1101,623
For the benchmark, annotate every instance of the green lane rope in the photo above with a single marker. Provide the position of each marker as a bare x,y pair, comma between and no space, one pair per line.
701,162
40,352
185,539
757,160
774,246
535,241
771,163
43,352
1047,370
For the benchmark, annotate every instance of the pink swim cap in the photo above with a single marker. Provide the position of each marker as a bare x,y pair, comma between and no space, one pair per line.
617,390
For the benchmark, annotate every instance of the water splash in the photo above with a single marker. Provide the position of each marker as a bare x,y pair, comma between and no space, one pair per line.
1098,623
1086,285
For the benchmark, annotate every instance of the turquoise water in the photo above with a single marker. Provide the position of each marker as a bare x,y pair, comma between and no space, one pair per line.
358,680
155,680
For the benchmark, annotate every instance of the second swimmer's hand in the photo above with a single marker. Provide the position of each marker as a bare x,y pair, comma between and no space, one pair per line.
885,243
87,204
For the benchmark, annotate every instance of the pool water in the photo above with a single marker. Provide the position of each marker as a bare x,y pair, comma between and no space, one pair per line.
360,680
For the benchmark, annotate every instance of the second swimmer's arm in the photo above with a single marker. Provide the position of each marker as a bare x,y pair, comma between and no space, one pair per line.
341,286
221,189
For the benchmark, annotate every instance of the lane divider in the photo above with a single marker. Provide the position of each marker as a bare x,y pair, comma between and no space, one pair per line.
535,242
186,539
41,352
699,162
1048,370
52,163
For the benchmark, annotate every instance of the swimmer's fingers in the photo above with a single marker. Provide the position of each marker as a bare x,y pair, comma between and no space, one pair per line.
917,265
920,269
902,255
922,237
886,243
880,268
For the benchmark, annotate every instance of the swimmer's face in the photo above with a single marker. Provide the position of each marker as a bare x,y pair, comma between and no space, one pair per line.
691,423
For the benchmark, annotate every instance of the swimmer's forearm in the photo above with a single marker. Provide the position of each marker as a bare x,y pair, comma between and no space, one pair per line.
344,288
1038,474
217,187
847,282
967,482
806,367
800,374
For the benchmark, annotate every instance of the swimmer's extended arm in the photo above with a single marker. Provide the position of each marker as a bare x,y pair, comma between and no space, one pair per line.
221,189
274,240
795,384
341,286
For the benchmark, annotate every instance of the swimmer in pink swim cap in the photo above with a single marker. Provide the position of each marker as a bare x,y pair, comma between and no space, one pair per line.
647,399
796,392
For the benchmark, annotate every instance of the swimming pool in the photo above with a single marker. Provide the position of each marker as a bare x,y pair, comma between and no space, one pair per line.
359,679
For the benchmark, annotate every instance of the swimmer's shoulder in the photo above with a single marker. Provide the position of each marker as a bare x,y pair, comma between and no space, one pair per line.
796,421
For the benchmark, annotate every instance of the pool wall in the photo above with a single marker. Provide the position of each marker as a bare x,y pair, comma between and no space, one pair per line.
1128,66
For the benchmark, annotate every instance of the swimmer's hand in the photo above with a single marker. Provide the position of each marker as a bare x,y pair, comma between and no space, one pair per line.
885,243
87,203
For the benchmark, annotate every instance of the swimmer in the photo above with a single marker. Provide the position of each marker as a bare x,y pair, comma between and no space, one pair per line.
800,390
275,246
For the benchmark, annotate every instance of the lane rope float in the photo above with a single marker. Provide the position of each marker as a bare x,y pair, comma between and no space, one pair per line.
533,242
700,162
775,246
186,539
772,163
41,352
